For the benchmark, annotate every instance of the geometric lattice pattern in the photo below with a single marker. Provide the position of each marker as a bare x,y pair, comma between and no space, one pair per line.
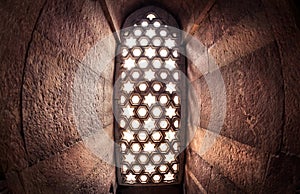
149,100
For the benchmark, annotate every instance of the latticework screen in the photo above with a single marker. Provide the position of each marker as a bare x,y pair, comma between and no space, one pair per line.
149,100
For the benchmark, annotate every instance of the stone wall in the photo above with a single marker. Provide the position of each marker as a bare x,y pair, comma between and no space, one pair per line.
43,44
255,45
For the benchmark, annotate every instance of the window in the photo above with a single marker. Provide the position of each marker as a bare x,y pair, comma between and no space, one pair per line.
149,100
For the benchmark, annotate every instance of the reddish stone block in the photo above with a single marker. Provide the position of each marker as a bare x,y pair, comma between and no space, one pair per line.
201,169
283,175
254,95
47,101
75,26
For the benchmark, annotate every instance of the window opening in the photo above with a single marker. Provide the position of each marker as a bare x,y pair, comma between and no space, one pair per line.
149,100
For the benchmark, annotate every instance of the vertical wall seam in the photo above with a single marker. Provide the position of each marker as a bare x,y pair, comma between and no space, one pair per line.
266,173
23,75
201,17
109,20
210,173
277,44
195,180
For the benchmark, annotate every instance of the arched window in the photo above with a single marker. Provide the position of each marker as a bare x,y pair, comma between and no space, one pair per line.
149,100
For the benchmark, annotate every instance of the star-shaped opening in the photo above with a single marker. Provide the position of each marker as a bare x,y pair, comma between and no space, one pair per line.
128,111
149,100
170,112
150,52
128,87
129,63
150,33
149,147
149,124
149,75
130,42
129,158
170,43
170,64
171,87
127,135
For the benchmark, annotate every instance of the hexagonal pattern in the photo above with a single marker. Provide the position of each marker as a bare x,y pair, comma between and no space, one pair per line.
143,159
135,74
143,87
157,178
163,99
157,63
143,63
157,41
157,158
149,100
135,147
135,99
156,136
135,124
163,168
144,41
163,52
156,87
142,111
164,147
137,52
142,136
156,112
143,178
136,169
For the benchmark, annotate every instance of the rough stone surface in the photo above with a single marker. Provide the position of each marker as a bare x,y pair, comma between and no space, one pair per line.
75,26
192,187
48,123
213,28
181,10
250,34
201,169
108,103
256,44
67,172
16,25
254,99
283,175
220,183
234,11
242,164
15,182
197,59
283,19
100,180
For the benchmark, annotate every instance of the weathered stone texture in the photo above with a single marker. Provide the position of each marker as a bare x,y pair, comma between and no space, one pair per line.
254,99
47,111
218,183
234,11
255,44
100,180
242,164
16,24
192,187
75,26
250,34
67,172
283,175
14,182
197,56
182,10
201,169
282,15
